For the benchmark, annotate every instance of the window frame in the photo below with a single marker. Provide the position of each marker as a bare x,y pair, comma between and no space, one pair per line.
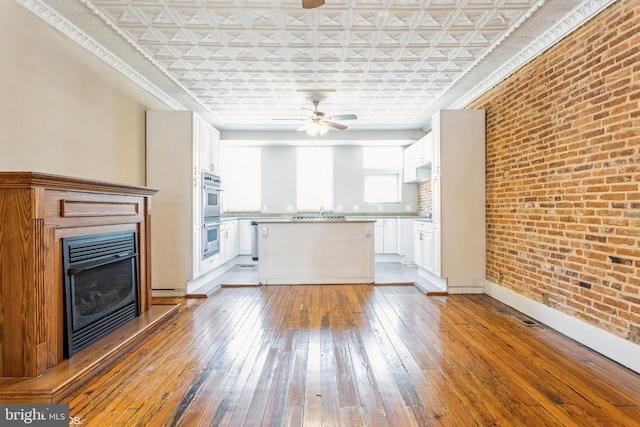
398,173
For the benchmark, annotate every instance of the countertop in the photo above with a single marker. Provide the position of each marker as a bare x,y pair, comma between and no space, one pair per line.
349,217
423,219
312,221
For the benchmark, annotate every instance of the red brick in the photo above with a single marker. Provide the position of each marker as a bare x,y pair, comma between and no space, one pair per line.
563,173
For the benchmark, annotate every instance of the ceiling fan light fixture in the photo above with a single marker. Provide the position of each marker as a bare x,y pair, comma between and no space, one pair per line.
319,124
315,129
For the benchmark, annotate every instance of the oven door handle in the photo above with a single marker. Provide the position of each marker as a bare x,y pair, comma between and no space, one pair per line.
89,265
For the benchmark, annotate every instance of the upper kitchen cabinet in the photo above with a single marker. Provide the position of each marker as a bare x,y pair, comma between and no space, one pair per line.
206,143
458,201
417,160
210,148
180,146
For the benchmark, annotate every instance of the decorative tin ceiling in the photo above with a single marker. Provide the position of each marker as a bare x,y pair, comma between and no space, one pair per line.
245,63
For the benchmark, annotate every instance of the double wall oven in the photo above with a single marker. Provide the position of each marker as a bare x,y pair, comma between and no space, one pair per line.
210,214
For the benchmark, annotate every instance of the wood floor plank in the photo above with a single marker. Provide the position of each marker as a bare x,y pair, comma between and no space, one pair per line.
392,396
558,397
355,355
558,371
461,377
372,405
538,386
242,394
223,372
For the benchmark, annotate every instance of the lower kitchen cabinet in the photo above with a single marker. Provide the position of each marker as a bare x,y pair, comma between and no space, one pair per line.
423,245
228,240
404,241
244,237
385,236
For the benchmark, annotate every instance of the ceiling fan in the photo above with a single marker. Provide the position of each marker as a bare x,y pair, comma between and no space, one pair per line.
311,4
319,124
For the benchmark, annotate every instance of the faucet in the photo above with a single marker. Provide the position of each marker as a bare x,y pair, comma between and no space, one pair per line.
321,211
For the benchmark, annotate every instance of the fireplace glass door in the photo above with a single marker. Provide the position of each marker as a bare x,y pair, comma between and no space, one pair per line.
101,286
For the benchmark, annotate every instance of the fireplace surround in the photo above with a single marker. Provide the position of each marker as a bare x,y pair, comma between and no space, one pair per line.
38,211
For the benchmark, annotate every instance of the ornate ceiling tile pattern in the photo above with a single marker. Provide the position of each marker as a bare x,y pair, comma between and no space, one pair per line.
249,62
242,63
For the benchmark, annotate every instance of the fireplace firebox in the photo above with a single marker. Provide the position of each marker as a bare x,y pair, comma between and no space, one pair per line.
101,286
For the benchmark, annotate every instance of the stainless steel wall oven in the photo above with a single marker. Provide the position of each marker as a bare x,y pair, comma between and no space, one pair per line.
210,214
210,197
210,239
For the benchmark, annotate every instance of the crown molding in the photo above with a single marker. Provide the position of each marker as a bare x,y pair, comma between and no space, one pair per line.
561,29
51,17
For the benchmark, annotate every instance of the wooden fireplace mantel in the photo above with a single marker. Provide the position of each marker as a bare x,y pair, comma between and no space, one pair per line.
37,210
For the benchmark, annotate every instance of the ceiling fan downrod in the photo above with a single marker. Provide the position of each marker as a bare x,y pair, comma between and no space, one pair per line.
312,4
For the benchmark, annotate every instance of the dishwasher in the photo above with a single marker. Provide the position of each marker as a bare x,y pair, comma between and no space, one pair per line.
254,240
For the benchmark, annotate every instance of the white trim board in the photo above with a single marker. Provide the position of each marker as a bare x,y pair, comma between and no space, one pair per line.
618,349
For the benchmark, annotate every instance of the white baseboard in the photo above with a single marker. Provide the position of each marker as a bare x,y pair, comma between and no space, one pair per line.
461,290
436,281
389,258
612,346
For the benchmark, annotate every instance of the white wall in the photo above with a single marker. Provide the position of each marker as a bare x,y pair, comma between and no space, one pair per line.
279,181
63,110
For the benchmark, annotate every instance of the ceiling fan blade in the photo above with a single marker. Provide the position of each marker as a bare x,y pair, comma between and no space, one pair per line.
343,117
293,120
310,4
333,124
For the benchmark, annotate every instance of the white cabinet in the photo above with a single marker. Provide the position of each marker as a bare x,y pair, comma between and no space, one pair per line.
315,252
435,255
390,236
411,155
404,241
210,149
385,236
458,200
424,245
417,160
244,237
228,240
177,142
417,248
435,199
378,236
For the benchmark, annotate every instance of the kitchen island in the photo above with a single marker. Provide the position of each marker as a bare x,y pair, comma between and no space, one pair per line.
315,251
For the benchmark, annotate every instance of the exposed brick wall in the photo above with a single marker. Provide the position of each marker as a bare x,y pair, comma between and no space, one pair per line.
424,197
563,175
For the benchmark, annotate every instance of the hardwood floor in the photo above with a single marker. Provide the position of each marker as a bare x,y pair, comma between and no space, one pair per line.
356,356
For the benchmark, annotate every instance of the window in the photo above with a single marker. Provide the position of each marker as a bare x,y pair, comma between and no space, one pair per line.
241,183
314,178
382,188
382,171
